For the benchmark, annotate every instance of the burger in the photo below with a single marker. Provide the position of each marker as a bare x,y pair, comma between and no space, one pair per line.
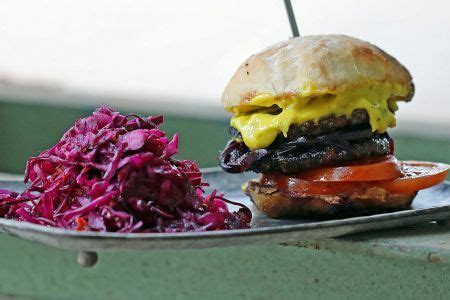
311,115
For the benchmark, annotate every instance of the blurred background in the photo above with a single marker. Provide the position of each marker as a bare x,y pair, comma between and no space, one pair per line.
61,59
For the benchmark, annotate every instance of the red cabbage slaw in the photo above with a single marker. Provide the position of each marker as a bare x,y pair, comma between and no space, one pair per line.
113,172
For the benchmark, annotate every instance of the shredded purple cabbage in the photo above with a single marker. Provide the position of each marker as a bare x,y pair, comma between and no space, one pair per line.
117,173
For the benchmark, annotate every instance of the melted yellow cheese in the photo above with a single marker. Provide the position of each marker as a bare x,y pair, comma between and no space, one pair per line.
259,126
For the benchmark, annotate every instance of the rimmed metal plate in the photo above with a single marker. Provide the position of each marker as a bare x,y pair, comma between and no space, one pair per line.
430,205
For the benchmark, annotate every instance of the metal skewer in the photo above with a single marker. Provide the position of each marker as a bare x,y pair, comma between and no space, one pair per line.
291,16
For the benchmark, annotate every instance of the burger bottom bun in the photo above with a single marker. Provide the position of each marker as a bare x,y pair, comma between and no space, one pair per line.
277,205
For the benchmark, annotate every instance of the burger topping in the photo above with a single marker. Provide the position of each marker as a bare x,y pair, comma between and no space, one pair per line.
326,124
306,152
259,124
415,176
302,156
383,168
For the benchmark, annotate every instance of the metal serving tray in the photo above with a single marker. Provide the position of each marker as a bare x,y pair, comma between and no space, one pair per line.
430,205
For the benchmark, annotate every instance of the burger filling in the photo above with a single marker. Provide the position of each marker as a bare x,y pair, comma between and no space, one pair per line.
331,141
293,132
262,118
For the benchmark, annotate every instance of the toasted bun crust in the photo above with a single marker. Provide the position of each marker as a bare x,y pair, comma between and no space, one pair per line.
279,205
316,64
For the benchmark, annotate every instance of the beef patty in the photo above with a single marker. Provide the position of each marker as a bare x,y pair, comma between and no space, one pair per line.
295,159
324,125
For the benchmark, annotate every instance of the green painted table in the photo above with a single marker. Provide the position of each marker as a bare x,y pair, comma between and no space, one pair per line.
406,263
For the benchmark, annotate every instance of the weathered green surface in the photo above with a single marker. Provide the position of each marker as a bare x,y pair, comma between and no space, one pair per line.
427,242
369,266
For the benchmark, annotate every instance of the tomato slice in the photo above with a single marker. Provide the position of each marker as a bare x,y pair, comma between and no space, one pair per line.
299,187
376,169
415,176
